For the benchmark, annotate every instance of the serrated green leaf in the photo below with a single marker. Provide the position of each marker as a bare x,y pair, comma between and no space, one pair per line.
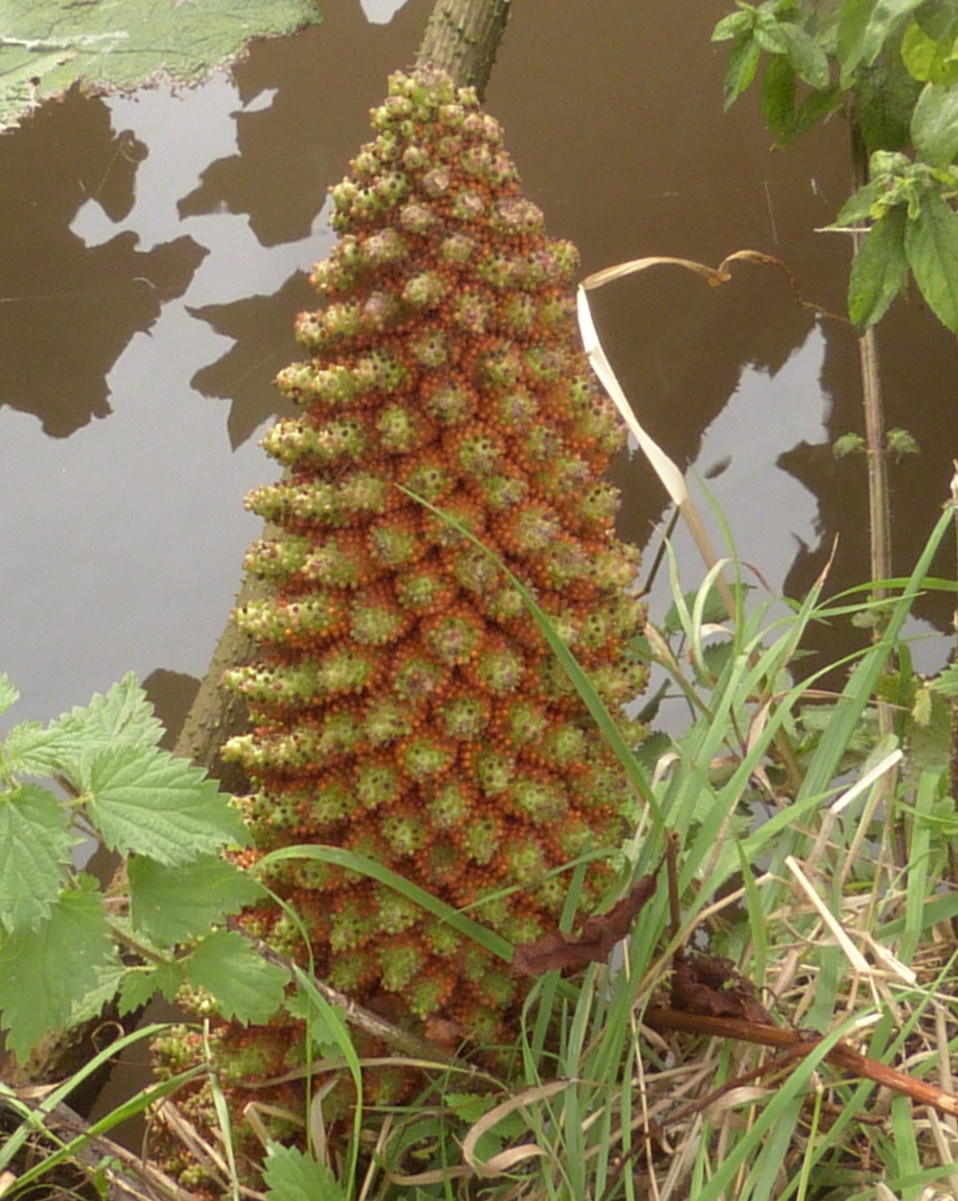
931,243
35,851
8,692
46,973
879,269
947,681
292,1175
31,750
123,714
173,904
934,124
848,444
123,43
140,984
740,68
147,802
244,986
807,58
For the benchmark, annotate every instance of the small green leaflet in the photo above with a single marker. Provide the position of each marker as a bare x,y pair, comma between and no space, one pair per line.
140,984
146,802
46,973
30,750
35,851
947,682
48,45
122,715
931,243
243,985
740,67
879,269
8,693
174,904
292,1175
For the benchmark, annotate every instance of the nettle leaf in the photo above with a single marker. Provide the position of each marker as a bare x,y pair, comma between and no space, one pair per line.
879,269
35,852
46,974
244,986
147,802
931,243
31,750
174,904
934,124
122,715
118,44
947,681
139,985
8,692
293,1175
740,67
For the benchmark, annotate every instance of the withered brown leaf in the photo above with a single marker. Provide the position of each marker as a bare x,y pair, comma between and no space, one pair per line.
709,985
593,944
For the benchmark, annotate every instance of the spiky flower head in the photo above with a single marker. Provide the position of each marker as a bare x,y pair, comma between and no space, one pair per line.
397,666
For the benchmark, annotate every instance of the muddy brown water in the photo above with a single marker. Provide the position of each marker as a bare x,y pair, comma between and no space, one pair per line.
153,256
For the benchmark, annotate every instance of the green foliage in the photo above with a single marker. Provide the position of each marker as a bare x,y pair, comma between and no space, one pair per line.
292,1175
59,935
891,65
110,45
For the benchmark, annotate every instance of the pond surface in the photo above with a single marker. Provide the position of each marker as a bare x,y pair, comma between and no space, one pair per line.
154,255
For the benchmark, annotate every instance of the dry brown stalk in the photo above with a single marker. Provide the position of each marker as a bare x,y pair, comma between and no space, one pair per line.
803,1042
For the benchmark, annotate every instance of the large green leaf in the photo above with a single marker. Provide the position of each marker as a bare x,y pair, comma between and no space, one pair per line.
46,974
934,124
243,985
931,243
35,849
109,45
173,904
879,269
864,28
147,802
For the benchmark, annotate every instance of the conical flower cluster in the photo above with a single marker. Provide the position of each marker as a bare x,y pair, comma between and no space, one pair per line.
406,706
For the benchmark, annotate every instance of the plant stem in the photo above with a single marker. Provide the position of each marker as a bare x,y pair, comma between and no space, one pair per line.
462,37
879,506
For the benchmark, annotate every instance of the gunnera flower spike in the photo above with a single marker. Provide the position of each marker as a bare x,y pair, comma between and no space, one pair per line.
405,704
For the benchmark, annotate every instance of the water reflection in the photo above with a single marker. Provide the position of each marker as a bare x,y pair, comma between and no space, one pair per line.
69,310
122,546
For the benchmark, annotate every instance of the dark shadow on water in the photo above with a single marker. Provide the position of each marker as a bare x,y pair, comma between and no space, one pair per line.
67,311
244,374
325,81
